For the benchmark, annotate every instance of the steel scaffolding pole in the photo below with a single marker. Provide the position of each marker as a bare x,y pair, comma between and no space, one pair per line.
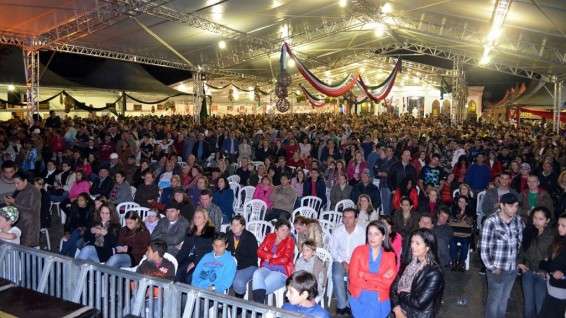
460,90
557,101
31,67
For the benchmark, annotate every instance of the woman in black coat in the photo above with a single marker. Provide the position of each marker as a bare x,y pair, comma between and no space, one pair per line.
554,304
79,221
101,239
418,290
197,243
243,246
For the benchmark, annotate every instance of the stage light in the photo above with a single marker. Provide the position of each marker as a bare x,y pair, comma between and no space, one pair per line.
485,59
379,30
222,45
11,88
343,3
291,63
284,31
494,35
387,8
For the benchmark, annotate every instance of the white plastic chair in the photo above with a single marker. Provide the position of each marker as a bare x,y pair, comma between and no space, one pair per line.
311,202
304,211
245,194
236,190
326,237
141,211
332,216
234,178
344,204
327,207
325,256
123,207
327,225
254,210
260,229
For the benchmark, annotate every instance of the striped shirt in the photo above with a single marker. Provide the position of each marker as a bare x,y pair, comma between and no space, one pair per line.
500,242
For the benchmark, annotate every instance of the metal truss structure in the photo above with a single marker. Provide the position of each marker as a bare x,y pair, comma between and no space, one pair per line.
31,66
460,91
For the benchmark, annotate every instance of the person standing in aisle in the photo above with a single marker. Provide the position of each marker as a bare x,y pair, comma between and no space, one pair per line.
500,241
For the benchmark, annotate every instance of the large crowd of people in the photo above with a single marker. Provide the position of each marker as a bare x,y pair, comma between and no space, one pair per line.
424,192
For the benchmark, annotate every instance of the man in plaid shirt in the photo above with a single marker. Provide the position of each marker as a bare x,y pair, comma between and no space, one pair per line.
501,238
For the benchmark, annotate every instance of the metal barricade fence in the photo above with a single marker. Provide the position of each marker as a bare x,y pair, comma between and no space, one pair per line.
117,293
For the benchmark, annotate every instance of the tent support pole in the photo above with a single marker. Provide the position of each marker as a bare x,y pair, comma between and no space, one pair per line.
31,67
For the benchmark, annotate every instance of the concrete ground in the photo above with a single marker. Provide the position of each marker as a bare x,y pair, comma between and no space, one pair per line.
472,286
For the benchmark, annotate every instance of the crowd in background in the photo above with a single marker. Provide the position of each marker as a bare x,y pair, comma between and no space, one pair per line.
425,191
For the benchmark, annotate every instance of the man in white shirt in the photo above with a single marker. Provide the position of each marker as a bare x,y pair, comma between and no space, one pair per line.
345,239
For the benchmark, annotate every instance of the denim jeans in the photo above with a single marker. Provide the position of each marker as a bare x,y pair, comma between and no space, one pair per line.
498,291
268,280
385,200
69,246
243,276
459,253
119,260
339,285
88,253
534,291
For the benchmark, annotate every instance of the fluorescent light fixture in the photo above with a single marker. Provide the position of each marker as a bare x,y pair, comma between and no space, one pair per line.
276,4
217,12
236,94
11,88
387,8
342,3
284,31
485,59
494,35
222,44
379,30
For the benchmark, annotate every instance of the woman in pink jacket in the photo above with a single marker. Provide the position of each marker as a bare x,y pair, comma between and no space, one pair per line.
355,167
81,185
263,191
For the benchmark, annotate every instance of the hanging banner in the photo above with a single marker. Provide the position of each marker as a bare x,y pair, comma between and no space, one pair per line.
332,90
315,101
381,91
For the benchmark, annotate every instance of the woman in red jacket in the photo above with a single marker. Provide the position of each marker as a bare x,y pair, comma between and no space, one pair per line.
372,270
276,254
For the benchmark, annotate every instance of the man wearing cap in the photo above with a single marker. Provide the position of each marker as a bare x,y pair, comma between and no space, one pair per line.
115,164
171,229
519,182
8,217
500,241
28,202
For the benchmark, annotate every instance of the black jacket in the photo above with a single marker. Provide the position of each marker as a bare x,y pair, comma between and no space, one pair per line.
79,217
398,172
246,253
110,240
556,264
102,188
426,292
193,249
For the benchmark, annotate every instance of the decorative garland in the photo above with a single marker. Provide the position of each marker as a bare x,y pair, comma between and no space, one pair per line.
256,89
315,101
342,88
332,90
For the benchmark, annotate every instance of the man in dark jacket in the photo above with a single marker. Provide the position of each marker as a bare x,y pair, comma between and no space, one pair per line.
401,170
365,186
171,229
103,185
27,199
315,186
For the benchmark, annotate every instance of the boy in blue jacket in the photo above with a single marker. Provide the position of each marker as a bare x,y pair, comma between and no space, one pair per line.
217,269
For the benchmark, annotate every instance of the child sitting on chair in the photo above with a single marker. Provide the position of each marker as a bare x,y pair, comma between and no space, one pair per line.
217,269
301,291
308,261
155,264
8,232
